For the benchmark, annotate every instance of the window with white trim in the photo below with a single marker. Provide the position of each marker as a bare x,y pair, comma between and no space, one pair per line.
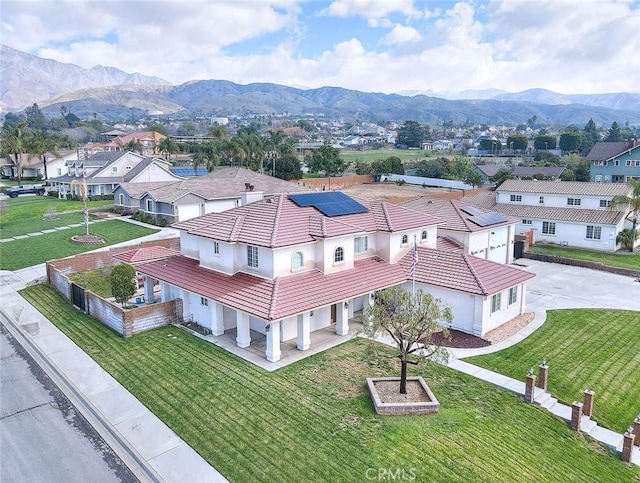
527,222
594,232
121,199
297,261
549,227
605,203
114,169
149,205
405,239
496,302
541,200
216,248
204,301
513,295
516,198
574,201
423,235
252,256
361,244
338,255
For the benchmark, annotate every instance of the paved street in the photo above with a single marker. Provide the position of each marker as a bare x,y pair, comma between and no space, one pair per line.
42,436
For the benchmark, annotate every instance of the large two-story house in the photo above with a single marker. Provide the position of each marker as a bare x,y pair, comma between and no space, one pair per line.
567,213
289,265
615,162
104,171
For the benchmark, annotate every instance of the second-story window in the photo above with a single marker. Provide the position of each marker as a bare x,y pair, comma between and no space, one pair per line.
361,244
216,248
515,198
297,261
605,203
338,255
574,201
252,256
405,239
423,235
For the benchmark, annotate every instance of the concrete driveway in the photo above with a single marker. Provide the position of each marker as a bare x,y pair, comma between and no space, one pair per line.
564,287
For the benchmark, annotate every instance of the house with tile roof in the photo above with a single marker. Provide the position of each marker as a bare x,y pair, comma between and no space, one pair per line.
614,162
478,232
183,199
147,141
104,171
282,268
567,213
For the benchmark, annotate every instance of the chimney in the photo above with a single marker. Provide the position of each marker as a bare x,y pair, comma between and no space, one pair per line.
249,195
632,142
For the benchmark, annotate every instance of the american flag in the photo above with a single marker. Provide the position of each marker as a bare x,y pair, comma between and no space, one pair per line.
414,261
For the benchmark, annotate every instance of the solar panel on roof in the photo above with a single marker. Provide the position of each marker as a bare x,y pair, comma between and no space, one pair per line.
472,210
186,172
330,203
488,219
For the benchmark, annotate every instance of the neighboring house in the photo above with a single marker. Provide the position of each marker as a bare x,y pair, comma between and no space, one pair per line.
568,213
148,141
615,162
488,170
220,190
286,266
482,233
103,171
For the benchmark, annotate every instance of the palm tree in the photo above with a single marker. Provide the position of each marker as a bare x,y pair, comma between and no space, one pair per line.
40,145
167,147
134,146
631,204
14,141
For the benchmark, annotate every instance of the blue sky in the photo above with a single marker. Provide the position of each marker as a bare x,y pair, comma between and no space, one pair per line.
437,47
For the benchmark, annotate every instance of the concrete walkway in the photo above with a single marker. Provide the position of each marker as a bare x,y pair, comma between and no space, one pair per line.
148,447
50,230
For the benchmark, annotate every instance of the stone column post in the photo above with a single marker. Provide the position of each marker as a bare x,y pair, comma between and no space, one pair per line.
273,341
217,319
243,337
587,407
543,371
576,415
636,430
627,446
303,340
148,290
342,316
529,387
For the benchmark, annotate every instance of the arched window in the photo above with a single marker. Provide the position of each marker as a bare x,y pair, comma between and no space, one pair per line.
405,239
338,255
297,261
423,235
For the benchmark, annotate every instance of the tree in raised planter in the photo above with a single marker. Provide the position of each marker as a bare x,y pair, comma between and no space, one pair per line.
123,283
410,320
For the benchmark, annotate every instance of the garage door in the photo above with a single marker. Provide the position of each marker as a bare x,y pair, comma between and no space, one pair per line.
186,212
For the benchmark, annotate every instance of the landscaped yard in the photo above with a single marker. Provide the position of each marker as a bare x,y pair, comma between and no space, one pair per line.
313,421
585,349
38,249
620,259
97,281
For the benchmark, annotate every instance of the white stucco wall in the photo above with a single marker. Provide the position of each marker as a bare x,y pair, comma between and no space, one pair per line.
574,235
217,206
283,258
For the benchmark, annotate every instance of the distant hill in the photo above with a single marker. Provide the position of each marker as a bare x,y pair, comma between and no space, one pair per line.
27,78
115,95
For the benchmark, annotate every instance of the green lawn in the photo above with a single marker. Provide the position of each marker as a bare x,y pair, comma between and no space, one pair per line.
619,259
313,421
97,281
13,228
24,207
585,349
38,249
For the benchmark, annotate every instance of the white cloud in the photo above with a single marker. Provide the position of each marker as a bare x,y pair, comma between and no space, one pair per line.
370,8
401,34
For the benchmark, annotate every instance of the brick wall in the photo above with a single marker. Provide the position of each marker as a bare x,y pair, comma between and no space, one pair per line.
109,314
149,317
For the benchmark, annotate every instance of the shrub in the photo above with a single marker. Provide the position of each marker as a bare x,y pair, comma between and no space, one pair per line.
123,282
118,210
52,193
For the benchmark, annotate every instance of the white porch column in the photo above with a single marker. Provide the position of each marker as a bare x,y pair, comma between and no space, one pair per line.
148,289
342,318
244,336
164,291
304,331
367,304
217,322
273,342
186,303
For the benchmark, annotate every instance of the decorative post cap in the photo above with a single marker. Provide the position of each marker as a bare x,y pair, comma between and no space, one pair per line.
630,430
530,371
543,362
638,417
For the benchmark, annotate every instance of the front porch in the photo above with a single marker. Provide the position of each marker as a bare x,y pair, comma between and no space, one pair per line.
321,340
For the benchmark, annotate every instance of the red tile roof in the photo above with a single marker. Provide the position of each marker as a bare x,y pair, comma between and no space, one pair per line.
279,298
146,254
295,294
466,273
278,222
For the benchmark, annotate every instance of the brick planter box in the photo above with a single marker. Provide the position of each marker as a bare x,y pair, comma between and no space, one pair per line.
418,400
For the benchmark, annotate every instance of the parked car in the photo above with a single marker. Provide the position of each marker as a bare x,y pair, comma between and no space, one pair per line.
16,191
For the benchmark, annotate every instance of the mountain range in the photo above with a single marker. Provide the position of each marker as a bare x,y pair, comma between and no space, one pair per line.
114,94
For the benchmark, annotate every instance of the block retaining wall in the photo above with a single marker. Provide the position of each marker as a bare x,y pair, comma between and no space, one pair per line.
582,263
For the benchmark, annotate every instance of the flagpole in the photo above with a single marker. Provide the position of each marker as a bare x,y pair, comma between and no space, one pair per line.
414,263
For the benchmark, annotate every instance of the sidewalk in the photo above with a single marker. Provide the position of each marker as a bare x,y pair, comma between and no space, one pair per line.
150,448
